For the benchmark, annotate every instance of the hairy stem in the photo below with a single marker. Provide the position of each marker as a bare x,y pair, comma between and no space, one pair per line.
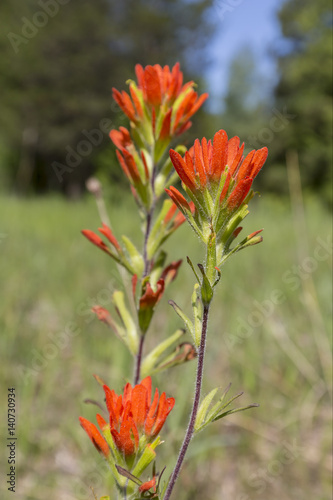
145,245
190,428
138,361
147,264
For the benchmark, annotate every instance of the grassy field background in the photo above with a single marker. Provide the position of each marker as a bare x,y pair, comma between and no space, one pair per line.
268,335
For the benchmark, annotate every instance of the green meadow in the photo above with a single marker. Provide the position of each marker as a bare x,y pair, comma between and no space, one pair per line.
269,334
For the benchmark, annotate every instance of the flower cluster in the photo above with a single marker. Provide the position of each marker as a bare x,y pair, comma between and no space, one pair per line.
159,108
218,179
131,432
160,101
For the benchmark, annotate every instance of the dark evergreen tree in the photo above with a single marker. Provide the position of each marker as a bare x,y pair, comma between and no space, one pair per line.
59,60
305,90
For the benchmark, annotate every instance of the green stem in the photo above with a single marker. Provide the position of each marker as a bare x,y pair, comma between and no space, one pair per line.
147,264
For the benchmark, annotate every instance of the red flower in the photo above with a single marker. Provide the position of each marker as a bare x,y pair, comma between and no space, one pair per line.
150,298
121,138
171,271
148,301
96,240
148,485
160,90
205,164
131,415
95,436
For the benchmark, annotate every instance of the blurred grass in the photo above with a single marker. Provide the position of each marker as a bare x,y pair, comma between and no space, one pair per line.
50,278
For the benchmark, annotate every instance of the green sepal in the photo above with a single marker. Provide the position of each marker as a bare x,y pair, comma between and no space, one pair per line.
190,219
211,257
131,338
163,178
135,256
146,458
160,147
117,456
179,100
182,315
207,291
152,359
199,203
159,229
217,204
224,235
138,138
230,223
114,457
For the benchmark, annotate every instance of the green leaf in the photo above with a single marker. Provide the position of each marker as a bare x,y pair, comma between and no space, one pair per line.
146,458
217,412
235,410
194,271
182,353
182,315
203,409
131,338
152,359
135,256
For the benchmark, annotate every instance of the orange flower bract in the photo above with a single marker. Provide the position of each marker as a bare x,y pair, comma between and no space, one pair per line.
160,89
131,415
204,164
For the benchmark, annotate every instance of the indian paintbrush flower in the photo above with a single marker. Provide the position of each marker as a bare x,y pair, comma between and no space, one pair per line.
159,106
131,433
217,168
218,180
217,183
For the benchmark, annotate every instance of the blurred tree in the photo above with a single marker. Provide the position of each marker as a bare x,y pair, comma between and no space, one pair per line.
247,105
305,90
246,100
59,60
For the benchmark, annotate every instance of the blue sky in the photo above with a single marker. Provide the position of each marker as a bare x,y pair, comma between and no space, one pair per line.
243,23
